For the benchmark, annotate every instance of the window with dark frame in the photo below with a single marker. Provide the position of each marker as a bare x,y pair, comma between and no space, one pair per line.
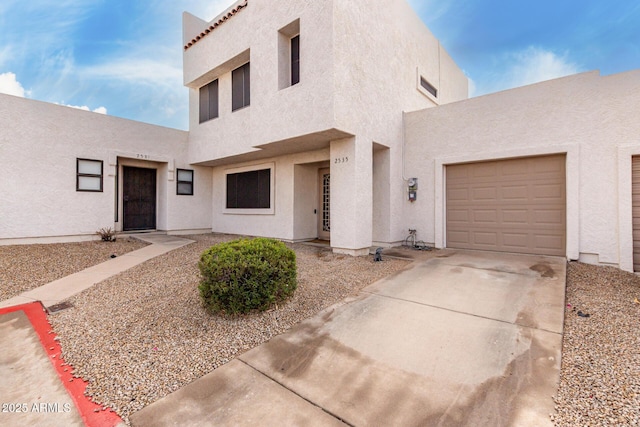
209,101
428,87
89,175
241,87
249,190
184,185
295,60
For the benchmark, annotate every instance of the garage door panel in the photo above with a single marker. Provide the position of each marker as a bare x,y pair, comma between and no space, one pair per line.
515,216
549,217
485,238
485,170
458,194
485,193
515,240
515,205
549,241
514,192
459,215
460,238
486,215
548,192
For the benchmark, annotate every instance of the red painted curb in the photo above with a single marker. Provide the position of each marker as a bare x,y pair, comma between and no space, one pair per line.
92,414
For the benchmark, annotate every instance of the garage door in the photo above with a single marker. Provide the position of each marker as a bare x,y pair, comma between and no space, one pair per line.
515,205
635,179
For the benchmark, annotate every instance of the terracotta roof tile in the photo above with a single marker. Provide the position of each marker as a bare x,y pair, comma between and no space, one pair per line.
216,24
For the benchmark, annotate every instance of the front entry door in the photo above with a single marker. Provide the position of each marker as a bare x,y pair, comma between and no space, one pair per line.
139,199
324,214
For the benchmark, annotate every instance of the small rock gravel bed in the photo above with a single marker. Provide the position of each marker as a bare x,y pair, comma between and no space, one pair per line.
600,374
144,333
26,267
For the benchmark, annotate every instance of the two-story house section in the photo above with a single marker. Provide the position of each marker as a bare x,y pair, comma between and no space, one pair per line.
298,108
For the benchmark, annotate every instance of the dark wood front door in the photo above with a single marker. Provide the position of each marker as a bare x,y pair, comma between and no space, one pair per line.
139,198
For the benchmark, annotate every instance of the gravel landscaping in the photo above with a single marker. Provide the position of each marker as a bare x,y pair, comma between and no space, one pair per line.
600,376
26,267
144,333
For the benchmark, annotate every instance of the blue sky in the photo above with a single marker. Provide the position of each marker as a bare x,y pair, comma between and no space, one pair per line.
124,57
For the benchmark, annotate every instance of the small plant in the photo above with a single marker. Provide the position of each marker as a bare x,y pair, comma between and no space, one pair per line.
246,274
107,234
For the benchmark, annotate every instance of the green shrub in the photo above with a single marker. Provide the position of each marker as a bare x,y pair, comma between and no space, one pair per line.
246,274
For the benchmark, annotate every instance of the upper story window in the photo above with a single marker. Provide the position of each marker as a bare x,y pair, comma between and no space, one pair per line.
240,87
295,60
209,101
88,175
289,55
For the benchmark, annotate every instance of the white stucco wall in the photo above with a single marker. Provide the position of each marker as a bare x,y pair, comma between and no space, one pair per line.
274,114
593,119
360,68
381,50
291,216
39,145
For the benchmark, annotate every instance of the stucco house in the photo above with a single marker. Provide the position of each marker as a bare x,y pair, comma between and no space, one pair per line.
314,124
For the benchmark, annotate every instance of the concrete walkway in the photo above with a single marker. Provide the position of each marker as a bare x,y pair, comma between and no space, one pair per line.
463,339
59,290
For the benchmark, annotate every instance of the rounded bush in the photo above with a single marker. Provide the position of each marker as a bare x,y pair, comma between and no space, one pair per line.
246,274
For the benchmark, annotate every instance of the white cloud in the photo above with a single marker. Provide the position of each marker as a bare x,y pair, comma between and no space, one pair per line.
536,65
529,66
99,110
10,85
137,70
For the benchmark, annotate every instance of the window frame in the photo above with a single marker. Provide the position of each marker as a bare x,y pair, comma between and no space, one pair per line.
89,175
178,181
209,110
251,211
294,60
241,80
426,88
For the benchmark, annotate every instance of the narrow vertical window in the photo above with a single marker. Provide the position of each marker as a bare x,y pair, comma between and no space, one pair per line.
295,60
88,175
184,182
209,101
241,87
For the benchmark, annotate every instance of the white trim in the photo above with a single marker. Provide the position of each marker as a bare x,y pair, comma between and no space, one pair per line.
572,152
145,157
625,209
272,188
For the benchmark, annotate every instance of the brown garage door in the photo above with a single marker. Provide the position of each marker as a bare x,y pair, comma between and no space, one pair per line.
515,205
635,179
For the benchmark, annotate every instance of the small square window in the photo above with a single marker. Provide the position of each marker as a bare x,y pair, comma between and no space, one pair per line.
88,175
184,182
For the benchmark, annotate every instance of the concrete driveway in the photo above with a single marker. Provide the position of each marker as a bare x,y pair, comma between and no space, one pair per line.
465,338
